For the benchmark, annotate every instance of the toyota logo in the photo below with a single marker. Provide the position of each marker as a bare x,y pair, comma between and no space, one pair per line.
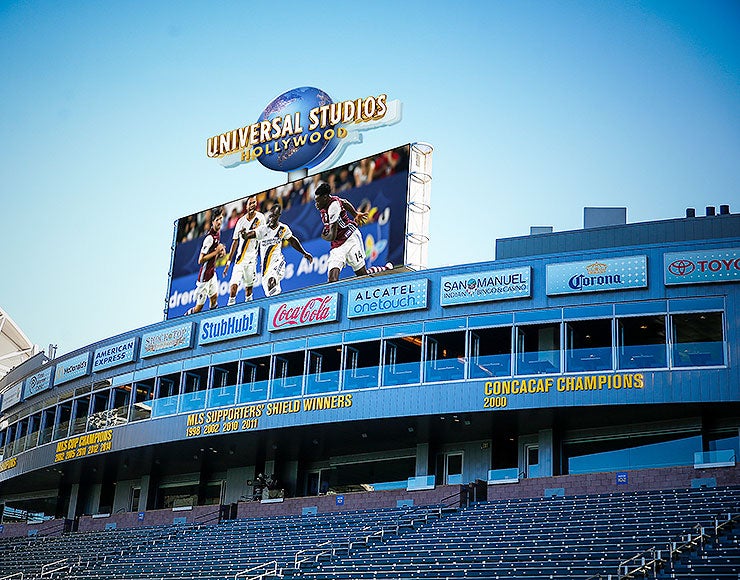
681,267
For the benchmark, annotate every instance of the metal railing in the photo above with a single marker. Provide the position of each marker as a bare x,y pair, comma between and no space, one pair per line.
18,575
270,569
63,565
653,559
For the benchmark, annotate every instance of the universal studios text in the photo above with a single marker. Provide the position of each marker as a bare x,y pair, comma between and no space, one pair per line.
287,132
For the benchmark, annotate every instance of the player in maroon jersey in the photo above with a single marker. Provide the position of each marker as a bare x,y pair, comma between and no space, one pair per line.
211,250
340,228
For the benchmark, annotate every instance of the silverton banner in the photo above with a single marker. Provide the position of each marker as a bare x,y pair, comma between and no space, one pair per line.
303,312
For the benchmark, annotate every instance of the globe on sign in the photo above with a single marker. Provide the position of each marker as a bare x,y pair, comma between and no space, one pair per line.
681,267
296,156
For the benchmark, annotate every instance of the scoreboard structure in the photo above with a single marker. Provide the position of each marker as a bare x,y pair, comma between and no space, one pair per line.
611,349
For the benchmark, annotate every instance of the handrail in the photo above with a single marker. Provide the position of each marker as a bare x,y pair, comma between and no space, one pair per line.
61,565
653,558
14,575
649,560
273,571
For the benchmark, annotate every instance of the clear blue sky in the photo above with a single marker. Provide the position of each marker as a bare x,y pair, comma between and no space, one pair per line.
535,110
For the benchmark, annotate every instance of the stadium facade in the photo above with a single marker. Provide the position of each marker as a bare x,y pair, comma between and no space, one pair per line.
611,349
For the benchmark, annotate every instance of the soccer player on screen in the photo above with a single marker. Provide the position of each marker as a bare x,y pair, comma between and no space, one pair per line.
340,220
212,249
270,237
245,268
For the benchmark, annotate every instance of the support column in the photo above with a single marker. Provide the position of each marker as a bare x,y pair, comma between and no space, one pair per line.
422,459
546,454
73,495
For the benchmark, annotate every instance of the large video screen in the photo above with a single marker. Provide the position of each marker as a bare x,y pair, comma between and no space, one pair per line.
376,185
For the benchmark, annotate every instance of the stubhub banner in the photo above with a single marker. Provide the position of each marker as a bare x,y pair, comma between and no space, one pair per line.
485,286
597,275
217,328
373,300
72,368
114,355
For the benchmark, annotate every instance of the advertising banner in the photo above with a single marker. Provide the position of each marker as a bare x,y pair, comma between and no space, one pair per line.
37,383
376,185
71,369
114,355
168,340
303,312
486,286
228,326
388,298
12,396
597,275
721,265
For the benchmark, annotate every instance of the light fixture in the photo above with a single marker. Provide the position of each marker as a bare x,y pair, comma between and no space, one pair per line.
364,435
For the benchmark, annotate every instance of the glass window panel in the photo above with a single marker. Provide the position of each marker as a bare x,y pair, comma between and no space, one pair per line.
589,345
538,349
143,396
698,339
641,342
632,453
255,378
324,368
287,374
361,364
402,361
490,352
445,357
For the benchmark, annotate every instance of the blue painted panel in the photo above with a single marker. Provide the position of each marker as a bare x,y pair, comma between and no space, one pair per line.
169,368
648,307
596,311
554,314
366,334
697,304
146,373
256,351
289,345
324,340
196,362
401,330
124,379
445,324
505,319
225,357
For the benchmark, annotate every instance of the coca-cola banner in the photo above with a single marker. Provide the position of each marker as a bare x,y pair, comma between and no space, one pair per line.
303,312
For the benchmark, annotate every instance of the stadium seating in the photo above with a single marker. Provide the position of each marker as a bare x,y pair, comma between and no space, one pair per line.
554,537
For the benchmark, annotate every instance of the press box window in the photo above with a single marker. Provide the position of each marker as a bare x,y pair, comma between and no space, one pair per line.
287,374
698,339
641,342
588,345
361,361
445,357
255,377
538,349
324,366
402,361
490,352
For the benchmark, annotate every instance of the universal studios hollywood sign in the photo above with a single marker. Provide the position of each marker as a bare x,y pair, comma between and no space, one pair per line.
301,129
